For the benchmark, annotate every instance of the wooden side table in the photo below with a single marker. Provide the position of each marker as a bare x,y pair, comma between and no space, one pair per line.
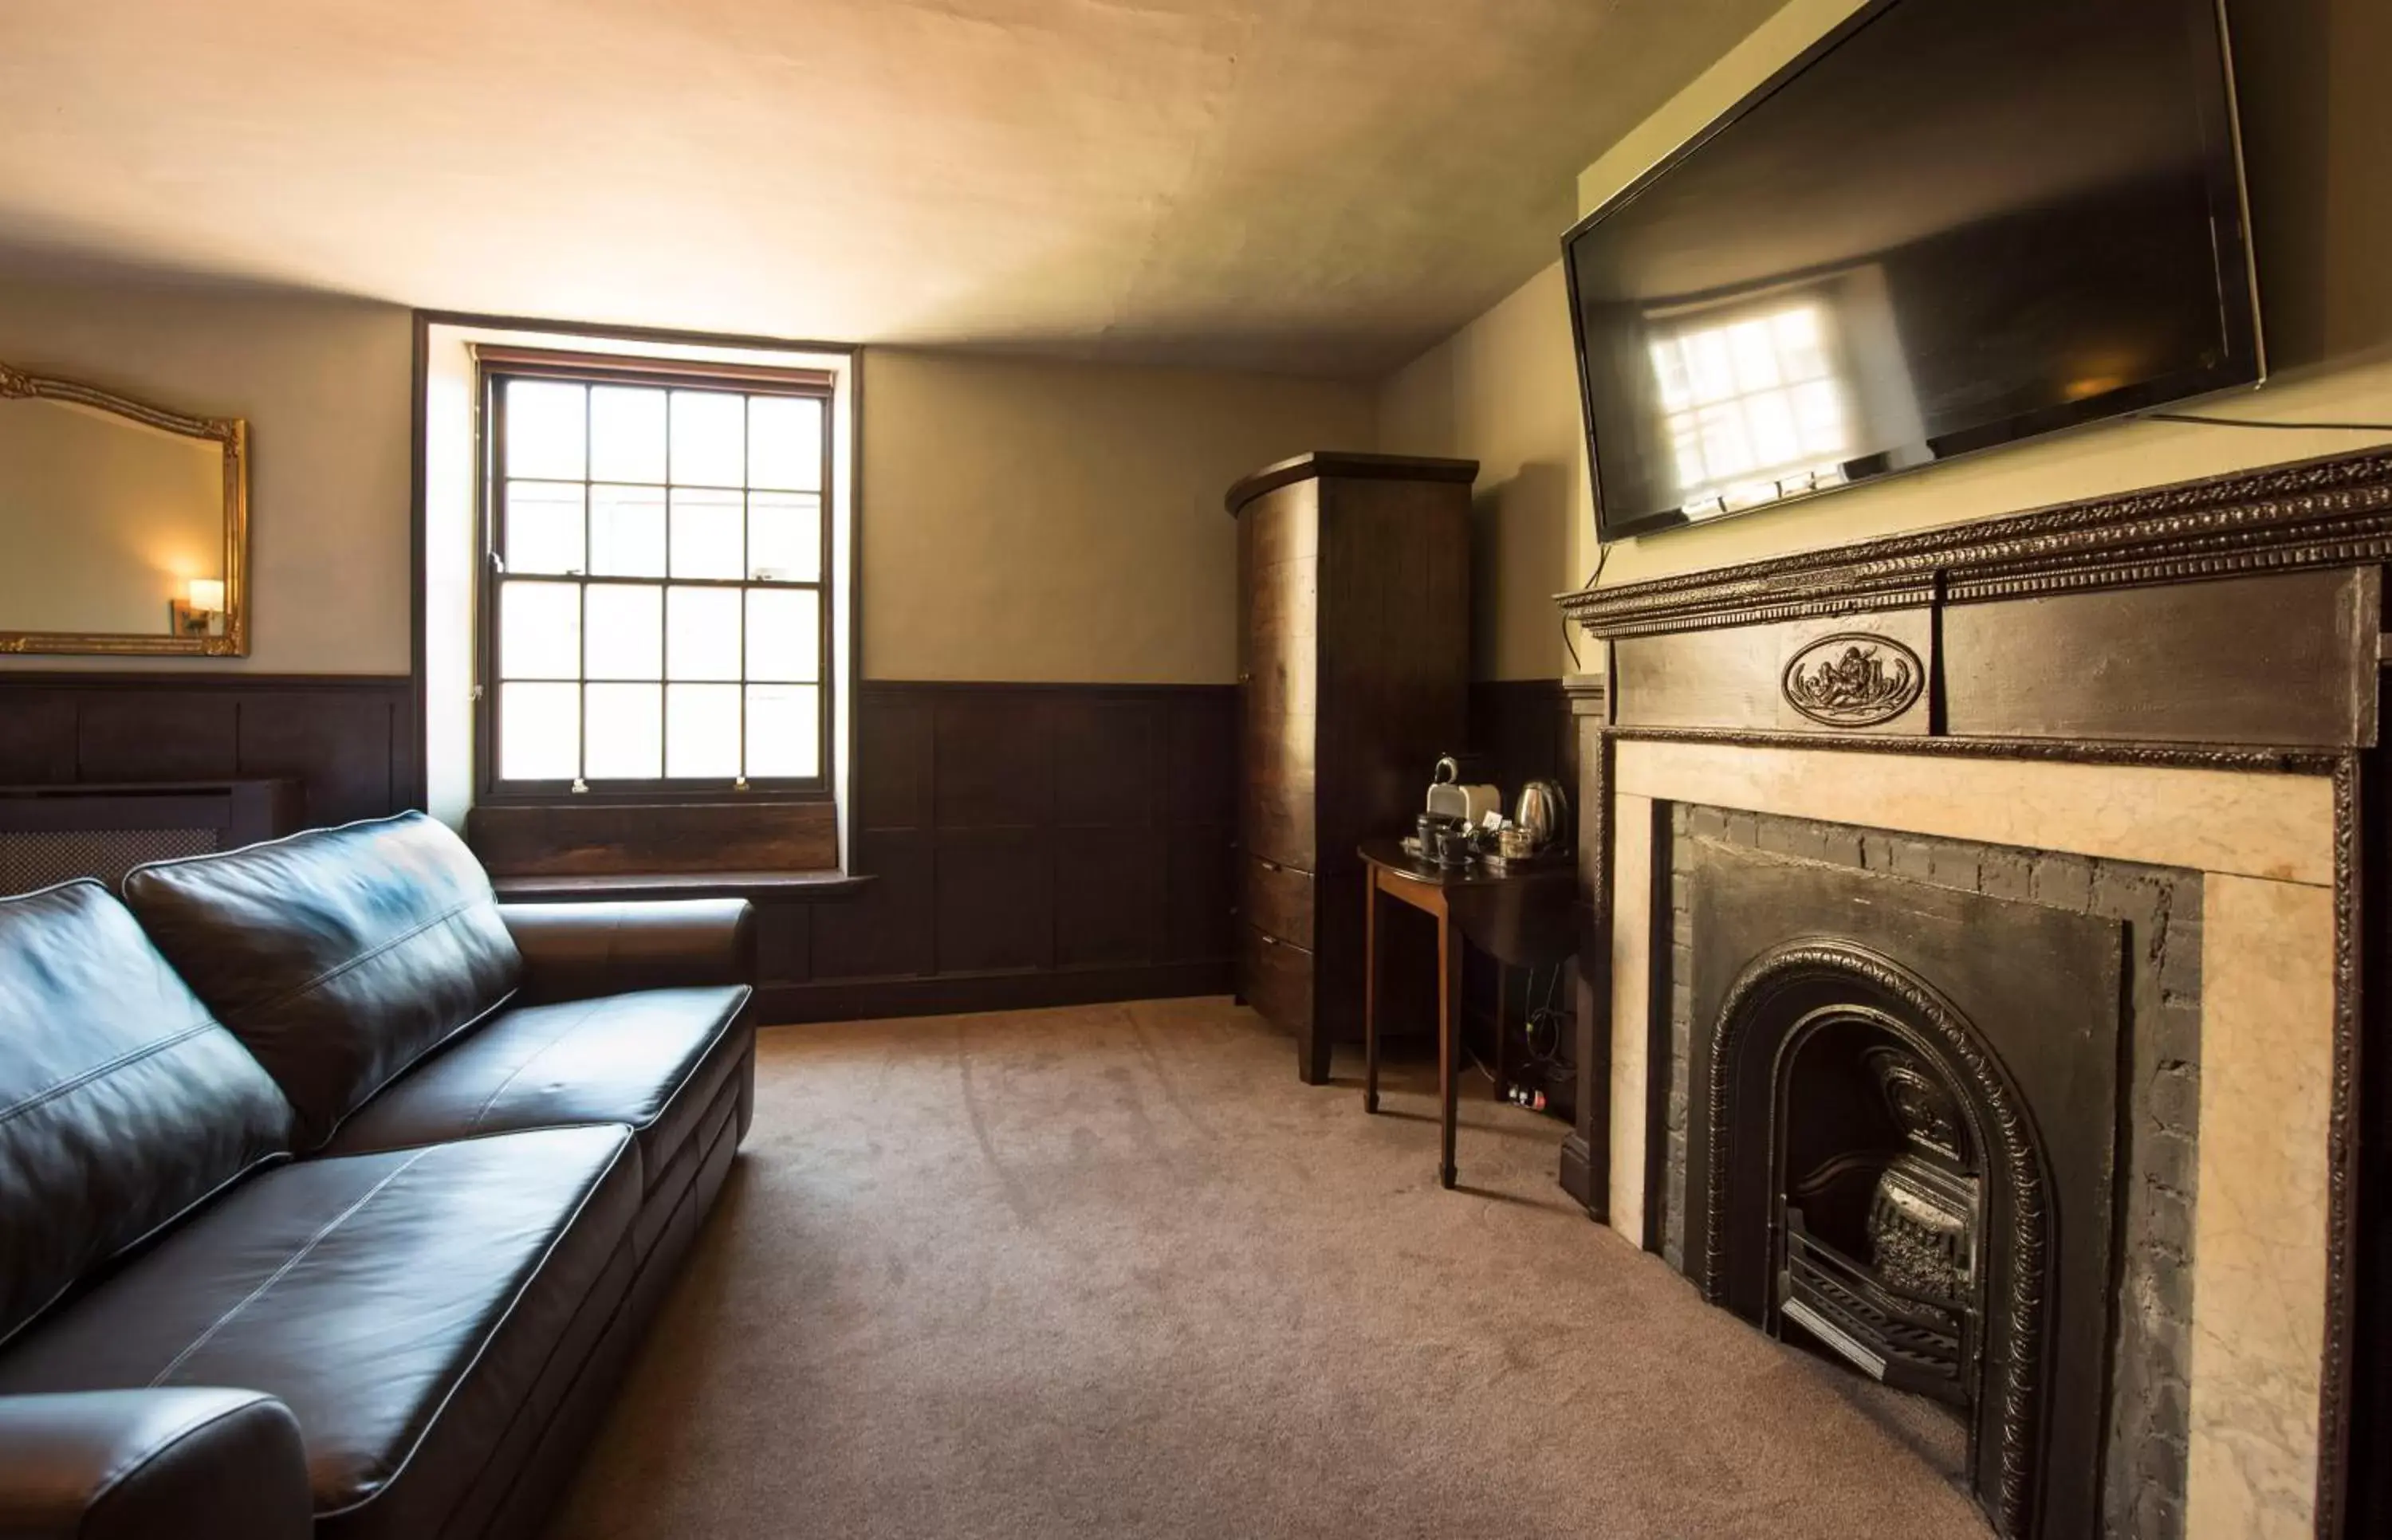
1521,917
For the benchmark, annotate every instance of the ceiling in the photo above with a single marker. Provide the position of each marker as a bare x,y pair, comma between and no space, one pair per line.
1320,187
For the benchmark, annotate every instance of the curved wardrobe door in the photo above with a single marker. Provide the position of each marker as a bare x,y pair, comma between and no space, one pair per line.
1279,542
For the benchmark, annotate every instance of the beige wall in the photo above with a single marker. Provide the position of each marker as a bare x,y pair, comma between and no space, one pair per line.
324,385
1023,521
1503,391
2319,142
1063,522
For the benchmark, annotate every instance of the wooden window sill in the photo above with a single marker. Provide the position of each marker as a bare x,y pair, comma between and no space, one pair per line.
690,847
784,886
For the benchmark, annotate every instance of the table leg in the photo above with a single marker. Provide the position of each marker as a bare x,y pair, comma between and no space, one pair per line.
1370,991
1449,1029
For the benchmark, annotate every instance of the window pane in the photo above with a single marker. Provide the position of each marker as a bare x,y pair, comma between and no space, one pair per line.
545,424
627,733
627,532
702,634
539,732
706,534
784,443
785,537
702,731
627,632
543,526
784,634
708,438
627,433
539,630
783,731
670,496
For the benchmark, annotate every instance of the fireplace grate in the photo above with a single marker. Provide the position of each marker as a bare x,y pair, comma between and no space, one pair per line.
1909,1340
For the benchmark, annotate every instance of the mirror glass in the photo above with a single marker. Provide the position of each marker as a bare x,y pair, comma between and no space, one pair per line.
122,525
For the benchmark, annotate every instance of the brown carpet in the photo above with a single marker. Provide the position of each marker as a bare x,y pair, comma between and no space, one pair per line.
1112,1272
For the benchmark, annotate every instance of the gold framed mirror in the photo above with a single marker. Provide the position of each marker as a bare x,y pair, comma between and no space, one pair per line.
125,527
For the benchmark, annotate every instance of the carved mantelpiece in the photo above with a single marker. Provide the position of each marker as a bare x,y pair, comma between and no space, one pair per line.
1853,678
2331,512
2181,653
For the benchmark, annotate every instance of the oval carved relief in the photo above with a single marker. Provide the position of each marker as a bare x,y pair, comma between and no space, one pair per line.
1853,678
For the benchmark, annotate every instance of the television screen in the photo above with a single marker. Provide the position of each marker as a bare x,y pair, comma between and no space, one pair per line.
1954,224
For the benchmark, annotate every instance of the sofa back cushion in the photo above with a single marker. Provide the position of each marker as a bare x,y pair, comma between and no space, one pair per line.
340,956
122,1104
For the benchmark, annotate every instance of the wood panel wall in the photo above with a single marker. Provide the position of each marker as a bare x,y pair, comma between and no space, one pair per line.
1525,728
349,740
1029,845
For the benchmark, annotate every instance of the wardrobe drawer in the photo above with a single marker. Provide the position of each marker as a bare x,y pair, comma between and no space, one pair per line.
1276,807
1276,978
1278,901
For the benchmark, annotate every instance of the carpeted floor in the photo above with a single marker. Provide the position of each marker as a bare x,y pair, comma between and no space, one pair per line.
1111,1272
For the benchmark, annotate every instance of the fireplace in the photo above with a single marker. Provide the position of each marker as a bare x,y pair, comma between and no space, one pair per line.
2106,1206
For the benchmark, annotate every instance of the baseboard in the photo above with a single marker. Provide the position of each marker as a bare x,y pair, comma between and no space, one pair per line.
959,993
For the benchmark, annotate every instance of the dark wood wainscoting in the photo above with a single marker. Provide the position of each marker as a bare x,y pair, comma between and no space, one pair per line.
1029,845
1526,729
348,740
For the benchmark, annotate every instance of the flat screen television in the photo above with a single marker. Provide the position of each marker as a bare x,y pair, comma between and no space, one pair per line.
1952,225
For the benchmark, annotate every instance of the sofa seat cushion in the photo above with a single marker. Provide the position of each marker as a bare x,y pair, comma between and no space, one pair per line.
123,1103
403,1305
340,956
652,1059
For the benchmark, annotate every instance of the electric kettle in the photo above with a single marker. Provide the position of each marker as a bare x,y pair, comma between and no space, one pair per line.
1543,812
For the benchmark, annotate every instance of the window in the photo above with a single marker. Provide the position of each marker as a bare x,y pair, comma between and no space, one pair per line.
1752,405
656,617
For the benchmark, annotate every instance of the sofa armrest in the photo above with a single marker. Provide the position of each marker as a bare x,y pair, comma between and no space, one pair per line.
143,1465
575,951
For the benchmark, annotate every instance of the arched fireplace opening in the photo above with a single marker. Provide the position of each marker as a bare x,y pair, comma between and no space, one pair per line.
1881,1216
1877,1193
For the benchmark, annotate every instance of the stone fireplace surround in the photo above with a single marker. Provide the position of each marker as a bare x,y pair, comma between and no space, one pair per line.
2175,690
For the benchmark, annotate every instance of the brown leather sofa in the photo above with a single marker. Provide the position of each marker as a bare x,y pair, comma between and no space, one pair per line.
334,1193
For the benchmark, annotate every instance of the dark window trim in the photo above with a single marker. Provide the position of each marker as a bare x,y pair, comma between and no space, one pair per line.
751,379
493,364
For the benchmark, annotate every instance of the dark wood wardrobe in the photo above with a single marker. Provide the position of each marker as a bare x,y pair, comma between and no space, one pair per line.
1352,673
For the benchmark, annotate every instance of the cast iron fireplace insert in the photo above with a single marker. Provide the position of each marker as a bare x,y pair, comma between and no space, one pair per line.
1880,1227
1904,1120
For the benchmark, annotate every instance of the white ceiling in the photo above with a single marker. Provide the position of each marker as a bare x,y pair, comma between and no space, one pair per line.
1318,186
